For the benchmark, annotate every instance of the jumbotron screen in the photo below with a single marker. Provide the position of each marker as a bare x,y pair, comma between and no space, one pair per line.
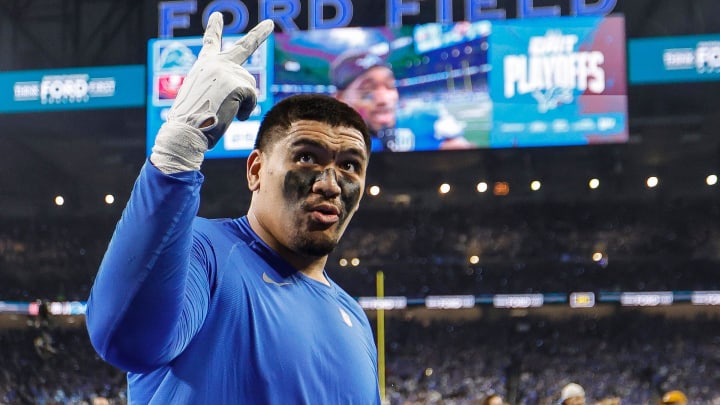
483,84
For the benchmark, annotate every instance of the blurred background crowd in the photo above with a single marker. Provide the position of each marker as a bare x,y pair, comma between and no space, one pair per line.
632,356
438,356
519,248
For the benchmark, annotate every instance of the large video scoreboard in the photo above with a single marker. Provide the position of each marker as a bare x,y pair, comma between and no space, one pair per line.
498,84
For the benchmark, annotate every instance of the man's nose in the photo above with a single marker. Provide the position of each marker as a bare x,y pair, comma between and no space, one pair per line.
326,183
382,94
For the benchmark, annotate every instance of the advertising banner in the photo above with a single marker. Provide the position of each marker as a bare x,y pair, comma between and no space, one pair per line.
558,82
72,89
691,58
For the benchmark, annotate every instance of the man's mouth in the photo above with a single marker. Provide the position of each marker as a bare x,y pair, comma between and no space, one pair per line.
325,213
385,116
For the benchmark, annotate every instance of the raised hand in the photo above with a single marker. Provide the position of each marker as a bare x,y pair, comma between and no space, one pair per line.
216,90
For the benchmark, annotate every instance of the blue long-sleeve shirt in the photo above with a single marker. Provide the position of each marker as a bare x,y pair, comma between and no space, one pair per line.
202,311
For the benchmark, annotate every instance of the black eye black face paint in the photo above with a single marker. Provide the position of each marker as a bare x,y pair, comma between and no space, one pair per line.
298,184
350,192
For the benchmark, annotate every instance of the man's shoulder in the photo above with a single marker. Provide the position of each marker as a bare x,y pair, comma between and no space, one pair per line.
213,222
346,298
213,228
419,119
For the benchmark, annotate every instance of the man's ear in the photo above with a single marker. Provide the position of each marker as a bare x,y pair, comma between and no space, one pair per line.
254,162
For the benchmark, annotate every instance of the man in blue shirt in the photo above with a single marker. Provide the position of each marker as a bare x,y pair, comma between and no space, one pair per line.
239,311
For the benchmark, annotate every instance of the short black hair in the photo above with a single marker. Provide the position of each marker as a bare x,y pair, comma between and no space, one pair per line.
313,107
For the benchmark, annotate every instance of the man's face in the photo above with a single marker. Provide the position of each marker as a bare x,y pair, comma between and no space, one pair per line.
374,95
307,186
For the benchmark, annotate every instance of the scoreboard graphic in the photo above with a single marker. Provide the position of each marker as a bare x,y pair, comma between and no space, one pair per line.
498,84
558,81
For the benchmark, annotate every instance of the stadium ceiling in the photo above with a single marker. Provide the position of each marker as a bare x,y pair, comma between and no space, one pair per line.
84,155
39,34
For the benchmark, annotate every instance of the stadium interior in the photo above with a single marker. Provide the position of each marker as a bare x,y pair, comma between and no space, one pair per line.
565,237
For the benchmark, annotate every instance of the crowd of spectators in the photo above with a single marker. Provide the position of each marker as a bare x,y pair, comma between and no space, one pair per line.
534,248
55,366
631,355
51,259
519,248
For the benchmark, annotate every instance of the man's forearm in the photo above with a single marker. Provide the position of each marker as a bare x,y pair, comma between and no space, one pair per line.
141,281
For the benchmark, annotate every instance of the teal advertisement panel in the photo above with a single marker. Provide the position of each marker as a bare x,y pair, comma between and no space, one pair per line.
558,82
691,58
80,88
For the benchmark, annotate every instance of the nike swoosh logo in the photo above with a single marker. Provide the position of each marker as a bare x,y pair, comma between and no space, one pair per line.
268,280
345,317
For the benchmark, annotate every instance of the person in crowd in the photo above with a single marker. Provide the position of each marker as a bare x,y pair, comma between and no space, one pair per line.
493,399
674,397
613,400
572,394
229,311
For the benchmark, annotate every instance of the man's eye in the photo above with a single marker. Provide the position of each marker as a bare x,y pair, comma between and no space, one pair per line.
306,158
351,166
367,96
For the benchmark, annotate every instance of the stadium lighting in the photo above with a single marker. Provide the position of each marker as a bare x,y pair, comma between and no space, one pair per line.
482,187
535,185
652,181
597,256
501,188
593,183
474,259
59,200
355,261
343,262
109,199
444,188
711,180
374,190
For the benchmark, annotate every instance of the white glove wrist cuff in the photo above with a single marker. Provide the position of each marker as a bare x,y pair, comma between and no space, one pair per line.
178,148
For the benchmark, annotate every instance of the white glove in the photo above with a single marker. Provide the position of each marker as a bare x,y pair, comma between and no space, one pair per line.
215,90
